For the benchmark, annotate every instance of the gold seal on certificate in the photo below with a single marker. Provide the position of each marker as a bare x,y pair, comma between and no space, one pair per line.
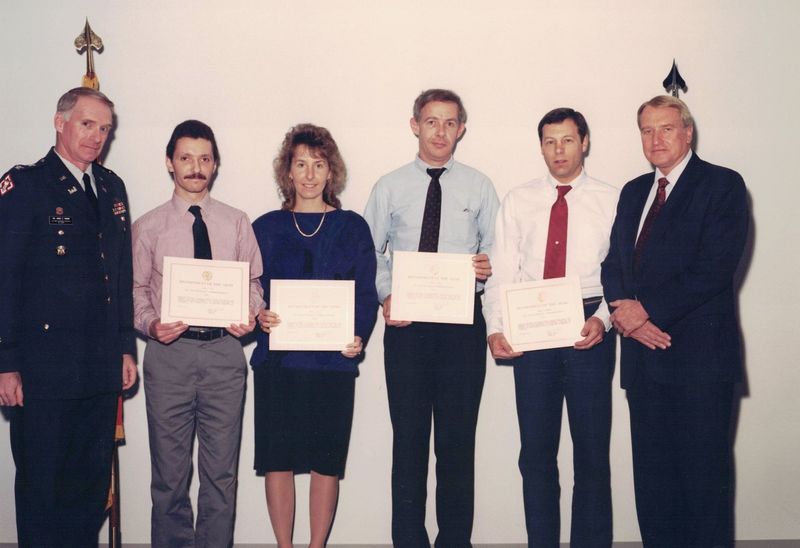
542,314
433,287
315,314
204,292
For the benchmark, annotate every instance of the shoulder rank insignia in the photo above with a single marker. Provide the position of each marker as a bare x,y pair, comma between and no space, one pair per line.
6,185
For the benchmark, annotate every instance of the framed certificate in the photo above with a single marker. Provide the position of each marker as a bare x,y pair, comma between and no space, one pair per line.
433,287
205,292
315,314
542,314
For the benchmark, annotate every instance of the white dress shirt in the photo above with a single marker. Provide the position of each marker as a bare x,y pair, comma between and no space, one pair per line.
521,239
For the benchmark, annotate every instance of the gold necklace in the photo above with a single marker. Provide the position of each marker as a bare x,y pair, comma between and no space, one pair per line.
297,226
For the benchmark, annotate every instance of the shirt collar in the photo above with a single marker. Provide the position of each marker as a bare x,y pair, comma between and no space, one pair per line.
181,206
423,166
575,183
676,172
73,169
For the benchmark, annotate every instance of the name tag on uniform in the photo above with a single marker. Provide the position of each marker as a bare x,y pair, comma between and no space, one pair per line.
60,220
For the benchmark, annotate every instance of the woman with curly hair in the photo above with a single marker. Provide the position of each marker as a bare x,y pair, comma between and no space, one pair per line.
304,399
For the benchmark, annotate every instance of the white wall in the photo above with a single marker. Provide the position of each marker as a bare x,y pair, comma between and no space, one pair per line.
252,69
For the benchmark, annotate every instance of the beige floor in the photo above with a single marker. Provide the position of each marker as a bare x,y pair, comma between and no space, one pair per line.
740,544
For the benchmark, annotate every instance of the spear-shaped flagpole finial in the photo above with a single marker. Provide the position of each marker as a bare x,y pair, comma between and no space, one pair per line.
88,40
673,82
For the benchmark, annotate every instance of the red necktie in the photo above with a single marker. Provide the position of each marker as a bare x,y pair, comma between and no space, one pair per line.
555,257
649,221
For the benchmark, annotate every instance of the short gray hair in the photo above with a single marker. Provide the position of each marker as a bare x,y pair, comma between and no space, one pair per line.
660,101
67,101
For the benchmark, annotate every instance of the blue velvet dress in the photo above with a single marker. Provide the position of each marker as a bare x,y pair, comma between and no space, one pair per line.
304,399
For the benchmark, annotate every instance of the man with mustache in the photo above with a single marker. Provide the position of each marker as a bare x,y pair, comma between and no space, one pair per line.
67,343
194,376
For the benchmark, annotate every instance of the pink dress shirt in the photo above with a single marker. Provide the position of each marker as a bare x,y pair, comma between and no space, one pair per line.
167,231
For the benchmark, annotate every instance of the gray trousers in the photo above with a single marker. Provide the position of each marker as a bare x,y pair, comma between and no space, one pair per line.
194,387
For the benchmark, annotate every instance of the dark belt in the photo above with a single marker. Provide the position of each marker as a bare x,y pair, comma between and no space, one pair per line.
204,333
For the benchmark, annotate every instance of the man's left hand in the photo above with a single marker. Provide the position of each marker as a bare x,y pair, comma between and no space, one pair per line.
629,315
242,329
592,333
129,371
482,266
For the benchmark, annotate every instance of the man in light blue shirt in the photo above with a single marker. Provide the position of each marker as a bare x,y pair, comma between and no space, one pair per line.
433,204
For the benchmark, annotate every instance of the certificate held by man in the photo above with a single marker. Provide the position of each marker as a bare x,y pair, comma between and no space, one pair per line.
542,314
433,287
203,292
315,314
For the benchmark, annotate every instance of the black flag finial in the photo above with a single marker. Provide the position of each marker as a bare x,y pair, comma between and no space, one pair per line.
673,82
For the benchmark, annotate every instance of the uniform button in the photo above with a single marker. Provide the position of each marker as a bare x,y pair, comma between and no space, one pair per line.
105,277
108,300
100,235
102,255
46,326
60,232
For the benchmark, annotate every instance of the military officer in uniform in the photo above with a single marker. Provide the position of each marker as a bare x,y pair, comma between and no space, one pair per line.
67,343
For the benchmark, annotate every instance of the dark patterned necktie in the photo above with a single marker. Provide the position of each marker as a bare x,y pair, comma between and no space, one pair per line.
649,221
90,195
429,236
555,257
202,245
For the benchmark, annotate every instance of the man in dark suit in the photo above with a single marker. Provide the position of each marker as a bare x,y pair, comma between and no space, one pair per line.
675,245
67,343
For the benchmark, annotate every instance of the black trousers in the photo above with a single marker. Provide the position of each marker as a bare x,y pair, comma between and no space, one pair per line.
681,462
62,451
434,370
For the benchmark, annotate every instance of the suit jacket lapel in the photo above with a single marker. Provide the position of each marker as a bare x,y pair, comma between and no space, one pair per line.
104,198
685,187
641,191
72,189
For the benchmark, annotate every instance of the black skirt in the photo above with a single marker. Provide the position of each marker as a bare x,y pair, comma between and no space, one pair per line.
302,420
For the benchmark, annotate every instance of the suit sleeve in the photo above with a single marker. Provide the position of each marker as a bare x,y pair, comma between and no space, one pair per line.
611,274
125,297
722,239
16,225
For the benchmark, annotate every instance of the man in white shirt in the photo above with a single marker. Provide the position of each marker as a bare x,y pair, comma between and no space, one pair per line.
551,227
